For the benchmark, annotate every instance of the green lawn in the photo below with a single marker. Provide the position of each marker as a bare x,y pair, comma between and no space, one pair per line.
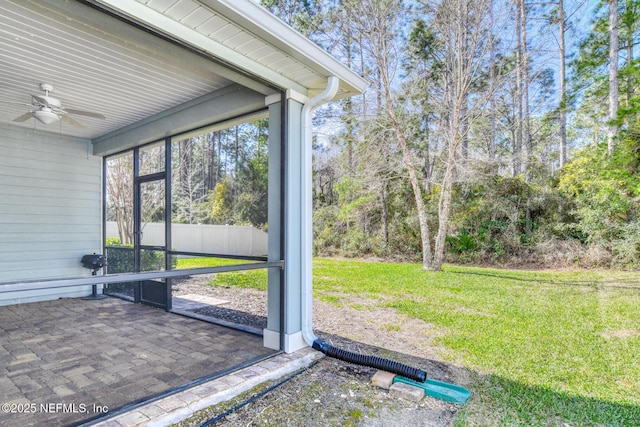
183,263
256,279
545,348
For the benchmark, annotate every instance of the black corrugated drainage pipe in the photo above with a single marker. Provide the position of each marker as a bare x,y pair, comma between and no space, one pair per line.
371,361
307,253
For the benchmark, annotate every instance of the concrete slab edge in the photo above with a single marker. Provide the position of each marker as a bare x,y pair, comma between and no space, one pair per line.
177,407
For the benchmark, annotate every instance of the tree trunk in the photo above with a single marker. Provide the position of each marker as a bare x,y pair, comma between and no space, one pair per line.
517,147
525,94
350,120
563,87
385,210
492,106
444,206
465,128
464,106
613,75
415,185
630,24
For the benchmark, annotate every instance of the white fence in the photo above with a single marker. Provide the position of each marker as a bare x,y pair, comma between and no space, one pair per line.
216,239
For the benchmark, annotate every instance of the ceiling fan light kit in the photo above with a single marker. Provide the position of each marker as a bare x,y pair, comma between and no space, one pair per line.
45,115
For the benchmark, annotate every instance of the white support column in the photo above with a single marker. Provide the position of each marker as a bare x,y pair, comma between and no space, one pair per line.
294,222
271,338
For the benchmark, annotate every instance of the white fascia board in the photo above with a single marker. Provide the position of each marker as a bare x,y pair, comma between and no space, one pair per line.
264,24
163,24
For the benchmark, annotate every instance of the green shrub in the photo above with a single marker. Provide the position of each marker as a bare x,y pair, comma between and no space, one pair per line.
120,258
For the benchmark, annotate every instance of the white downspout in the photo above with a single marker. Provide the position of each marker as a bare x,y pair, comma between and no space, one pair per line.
307,206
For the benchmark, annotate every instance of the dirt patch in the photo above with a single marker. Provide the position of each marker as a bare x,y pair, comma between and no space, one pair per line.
369,323
334,392
621,334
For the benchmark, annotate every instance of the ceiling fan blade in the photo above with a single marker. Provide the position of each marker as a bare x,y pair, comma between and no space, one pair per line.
72,122
41,100
23,118
84,113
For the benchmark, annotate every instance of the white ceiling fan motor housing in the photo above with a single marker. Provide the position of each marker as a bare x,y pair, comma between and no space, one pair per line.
47,88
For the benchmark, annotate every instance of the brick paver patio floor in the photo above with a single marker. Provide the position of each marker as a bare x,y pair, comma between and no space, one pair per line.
62,361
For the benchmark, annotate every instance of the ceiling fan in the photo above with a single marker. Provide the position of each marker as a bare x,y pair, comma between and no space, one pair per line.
48,110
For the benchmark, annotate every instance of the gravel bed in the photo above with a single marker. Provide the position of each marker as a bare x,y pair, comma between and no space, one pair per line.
245,306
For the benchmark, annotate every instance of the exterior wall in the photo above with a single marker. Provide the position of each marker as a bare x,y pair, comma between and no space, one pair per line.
50,210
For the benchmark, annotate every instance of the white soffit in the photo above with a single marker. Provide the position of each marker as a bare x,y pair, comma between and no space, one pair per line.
246,35
276,34
96,63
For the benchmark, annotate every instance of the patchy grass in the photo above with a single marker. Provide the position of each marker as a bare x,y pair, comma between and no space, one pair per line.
549,347
331,299
391,327
253,279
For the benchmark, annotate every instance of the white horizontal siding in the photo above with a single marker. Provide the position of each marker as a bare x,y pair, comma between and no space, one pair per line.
50,210
44,237
31,206
58,229
46,249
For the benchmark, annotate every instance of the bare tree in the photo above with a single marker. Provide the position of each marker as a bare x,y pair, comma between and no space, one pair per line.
462,30
189,187
119,176
466,31
377,24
